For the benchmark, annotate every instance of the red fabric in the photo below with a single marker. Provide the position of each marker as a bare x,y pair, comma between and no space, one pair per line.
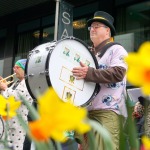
84,145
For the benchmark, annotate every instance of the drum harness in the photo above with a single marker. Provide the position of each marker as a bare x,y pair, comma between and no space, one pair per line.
104,49
100,54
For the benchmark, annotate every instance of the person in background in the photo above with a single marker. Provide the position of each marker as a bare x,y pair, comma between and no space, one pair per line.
16,133
147,116
138,116
108,107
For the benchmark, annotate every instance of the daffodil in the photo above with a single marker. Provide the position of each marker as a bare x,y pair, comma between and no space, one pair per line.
145,143
56,117
8,107
138,73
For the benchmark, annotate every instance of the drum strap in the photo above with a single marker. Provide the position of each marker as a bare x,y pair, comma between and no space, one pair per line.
15,84
104,49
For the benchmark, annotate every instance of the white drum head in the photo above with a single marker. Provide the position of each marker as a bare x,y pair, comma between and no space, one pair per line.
66,55
37,80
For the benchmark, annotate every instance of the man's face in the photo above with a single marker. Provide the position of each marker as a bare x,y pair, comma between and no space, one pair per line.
19,72
98,31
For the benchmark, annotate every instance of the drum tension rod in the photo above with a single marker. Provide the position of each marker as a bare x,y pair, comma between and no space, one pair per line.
31,75
46,72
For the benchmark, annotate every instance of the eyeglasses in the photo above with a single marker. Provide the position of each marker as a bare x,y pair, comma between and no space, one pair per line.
96,26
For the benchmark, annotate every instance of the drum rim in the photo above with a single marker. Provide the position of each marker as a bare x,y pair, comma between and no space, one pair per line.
26,80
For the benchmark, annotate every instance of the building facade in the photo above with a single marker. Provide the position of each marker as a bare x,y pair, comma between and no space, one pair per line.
26,24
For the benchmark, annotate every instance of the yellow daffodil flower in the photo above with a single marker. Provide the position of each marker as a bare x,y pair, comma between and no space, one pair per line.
8,107
138,73
56,117
145,143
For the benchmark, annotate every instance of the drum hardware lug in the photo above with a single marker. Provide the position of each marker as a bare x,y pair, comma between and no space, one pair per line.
90,47
41,73
30,53
54,41
51,50
70,37
53,46
37,51
47,48
31,75
46,72
25,77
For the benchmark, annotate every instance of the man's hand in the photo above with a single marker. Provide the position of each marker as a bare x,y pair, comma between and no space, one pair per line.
80,72
3,84
1,78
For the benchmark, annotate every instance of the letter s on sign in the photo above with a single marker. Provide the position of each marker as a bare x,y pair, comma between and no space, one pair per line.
65,18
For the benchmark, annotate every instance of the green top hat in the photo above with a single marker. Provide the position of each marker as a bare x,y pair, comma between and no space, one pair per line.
105,18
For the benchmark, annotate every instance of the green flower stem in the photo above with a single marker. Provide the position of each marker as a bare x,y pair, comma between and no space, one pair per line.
58,146
5,142
92,144
131,129
33,113
23,123
43,146
103,133
39,145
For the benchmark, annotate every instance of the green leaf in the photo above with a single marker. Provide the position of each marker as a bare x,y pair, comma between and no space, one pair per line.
58,145
131,129
103,133
91,141
33,113
39,145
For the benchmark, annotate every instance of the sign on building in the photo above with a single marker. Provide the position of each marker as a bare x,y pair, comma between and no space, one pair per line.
65,27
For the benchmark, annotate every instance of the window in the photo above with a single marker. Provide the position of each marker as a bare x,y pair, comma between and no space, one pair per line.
26,42
132,25
80,30
48,34
2,47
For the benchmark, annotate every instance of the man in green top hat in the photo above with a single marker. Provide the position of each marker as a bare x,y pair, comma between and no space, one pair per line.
108,106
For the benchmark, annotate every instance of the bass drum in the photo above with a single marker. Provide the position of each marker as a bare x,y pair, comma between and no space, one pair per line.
52,63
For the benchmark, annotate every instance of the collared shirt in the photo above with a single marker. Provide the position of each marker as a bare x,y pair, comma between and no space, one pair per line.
112,79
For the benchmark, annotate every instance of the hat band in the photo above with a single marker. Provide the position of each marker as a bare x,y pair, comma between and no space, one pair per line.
100,18
20,65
